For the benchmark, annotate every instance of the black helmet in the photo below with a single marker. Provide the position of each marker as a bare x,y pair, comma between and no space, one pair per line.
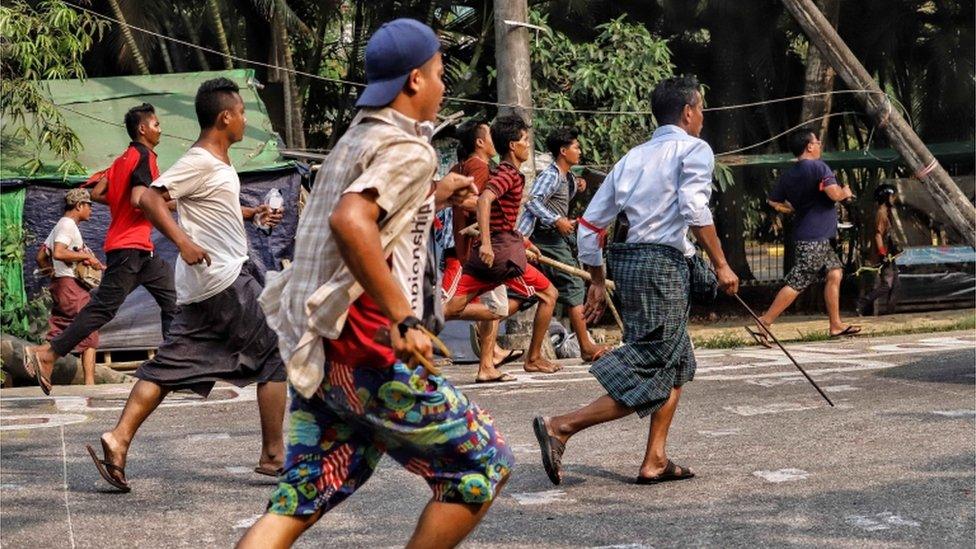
883,191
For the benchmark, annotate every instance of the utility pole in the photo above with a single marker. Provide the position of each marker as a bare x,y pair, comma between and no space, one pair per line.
514,79
514,75
957,208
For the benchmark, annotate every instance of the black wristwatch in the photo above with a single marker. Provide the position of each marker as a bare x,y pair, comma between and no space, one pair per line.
409,323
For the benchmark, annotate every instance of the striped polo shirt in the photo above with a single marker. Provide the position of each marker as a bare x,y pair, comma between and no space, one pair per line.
507,184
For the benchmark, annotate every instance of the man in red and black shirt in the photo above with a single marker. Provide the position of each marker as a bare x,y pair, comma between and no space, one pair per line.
128,246
501,257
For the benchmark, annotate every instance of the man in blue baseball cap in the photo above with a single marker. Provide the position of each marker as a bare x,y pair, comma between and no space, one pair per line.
348,312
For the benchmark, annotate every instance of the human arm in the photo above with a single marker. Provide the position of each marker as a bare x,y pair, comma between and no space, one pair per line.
694,193
153,205
837,193
829,185
707,237
880,228
783,207
542,189
354,224
454,189
485,251
99,192
65,254
269,218
606,204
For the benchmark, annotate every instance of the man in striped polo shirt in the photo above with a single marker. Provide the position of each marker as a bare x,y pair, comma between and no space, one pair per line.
501,257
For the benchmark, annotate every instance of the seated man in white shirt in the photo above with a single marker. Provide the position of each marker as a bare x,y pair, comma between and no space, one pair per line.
662,188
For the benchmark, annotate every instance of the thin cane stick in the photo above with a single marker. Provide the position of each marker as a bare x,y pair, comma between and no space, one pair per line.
780,345
613,310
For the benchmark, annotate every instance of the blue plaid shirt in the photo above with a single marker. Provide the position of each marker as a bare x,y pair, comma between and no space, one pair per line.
538,208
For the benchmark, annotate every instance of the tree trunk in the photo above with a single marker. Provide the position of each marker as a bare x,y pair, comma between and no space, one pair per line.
819,78
294,126
957,208
130,41
726,127
218,26
191,30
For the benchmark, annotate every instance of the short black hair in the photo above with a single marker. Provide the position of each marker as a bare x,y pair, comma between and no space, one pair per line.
214,97
505,130
136,116
799,140
467,134
670,96
559,138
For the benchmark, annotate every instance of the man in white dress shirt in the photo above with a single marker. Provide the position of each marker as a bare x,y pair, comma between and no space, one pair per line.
656,192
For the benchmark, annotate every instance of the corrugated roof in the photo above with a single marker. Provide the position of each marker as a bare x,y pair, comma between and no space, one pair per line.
94,109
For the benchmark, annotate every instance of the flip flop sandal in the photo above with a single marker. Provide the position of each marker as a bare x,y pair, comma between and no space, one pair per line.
552,450
32,365
103,469
268,471
850,330
760,337
512,356
671,472
503,378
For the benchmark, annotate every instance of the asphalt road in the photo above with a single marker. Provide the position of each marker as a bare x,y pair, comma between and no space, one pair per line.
891,466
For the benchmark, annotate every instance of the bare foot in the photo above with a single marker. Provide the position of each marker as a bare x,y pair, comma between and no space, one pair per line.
115,454
541,365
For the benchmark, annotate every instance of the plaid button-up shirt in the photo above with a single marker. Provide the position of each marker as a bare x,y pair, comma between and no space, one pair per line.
383,151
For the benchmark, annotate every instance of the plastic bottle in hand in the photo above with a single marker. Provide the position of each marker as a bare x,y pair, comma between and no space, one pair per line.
275,202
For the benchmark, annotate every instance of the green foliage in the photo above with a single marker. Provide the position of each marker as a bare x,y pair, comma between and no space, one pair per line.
29,322
617,70
39,42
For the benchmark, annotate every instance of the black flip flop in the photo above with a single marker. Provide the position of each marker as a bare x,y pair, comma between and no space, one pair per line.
760,337
850,330
670,473
268,471
103,469
503,378
512,356
552,449
32,365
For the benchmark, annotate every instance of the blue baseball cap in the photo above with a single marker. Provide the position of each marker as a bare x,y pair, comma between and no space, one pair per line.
395,49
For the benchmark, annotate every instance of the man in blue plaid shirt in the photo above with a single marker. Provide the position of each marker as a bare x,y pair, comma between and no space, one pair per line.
545,220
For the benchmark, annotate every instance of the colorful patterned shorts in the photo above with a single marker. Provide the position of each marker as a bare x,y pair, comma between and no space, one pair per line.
813,260
336,438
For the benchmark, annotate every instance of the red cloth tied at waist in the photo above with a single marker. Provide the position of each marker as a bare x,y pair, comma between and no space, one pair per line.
601,234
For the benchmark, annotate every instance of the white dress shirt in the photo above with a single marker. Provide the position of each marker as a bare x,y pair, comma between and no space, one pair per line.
663,187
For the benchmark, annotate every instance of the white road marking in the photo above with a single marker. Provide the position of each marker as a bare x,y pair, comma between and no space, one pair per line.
955,413
64,487
782,475
880,521
765,367
116,397
542,498
721,432
38,421
772,408
238,470
200,437
246,522
840,388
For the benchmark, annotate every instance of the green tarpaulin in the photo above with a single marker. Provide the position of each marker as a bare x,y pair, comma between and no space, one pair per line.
946,153
94,109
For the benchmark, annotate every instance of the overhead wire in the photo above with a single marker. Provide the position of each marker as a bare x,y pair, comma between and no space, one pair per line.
247,61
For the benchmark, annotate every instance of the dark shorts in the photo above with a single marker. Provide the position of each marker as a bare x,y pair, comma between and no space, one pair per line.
572,291
813,260
222,338
337,437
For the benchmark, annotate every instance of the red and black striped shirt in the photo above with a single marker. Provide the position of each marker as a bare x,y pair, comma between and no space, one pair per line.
507,184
